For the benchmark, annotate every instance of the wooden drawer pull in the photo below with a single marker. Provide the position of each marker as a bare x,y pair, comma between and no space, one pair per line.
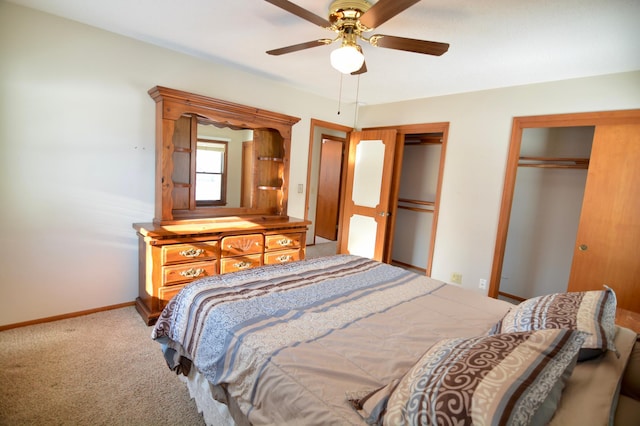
284,258
192,273
242,265
285,242
191,252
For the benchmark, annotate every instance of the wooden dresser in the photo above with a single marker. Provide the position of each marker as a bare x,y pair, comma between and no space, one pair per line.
172,256
194,236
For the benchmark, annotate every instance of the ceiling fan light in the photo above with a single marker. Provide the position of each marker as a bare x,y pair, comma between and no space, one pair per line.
347,59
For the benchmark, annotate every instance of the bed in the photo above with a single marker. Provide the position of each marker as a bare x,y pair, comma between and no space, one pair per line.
345,340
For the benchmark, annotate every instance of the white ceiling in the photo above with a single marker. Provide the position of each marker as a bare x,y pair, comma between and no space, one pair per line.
494,43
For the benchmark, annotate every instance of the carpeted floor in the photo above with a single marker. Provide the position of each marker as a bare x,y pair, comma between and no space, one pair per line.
98,369
323,249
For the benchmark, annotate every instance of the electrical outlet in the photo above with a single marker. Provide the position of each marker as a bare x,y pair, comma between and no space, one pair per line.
482,284
456,278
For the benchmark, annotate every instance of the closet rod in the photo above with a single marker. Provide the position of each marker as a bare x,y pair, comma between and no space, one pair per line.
416,209
422,139
423,143
554,162
430,205
424,203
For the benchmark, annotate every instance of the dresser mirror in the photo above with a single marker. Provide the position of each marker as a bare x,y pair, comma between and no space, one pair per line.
219,169
217,159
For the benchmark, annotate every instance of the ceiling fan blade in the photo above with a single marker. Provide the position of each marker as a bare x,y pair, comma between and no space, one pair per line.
300,46
300,12
409,44
362,69
384,10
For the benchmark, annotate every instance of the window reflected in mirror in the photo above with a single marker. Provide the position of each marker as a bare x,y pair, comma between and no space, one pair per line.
211,166
219,165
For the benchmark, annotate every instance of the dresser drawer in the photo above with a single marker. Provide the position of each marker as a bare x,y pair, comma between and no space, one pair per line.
242,245
282,241
282,256
167,293
187,272
233,264
180,253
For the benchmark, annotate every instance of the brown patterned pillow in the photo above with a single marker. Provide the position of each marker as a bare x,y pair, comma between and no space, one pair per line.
503,379
593,312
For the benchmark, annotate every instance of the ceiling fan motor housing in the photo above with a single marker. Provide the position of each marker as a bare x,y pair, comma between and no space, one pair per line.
347,11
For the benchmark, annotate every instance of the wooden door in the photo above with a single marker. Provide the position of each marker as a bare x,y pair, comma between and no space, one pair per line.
326,225
607,247
367,194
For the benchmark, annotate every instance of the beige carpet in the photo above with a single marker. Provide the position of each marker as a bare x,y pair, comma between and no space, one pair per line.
323,249
98,369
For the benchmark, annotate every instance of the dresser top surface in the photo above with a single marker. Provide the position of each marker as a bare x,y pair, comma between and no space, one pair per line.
228,225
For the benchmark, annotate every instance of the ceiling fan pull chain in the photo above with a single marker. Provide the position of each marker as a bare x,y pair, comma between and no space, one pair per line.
340,95
355,116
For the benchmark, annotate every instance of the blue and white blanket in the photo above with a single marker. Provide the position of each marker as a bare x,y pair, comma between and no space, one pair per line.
309,332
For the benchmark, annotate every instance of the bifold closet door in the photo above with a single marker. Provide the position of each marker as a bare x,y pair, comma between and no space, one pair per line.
608,240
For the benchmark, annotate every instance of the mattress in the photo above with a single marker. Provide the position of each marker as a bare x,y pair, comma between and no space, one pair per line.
295,343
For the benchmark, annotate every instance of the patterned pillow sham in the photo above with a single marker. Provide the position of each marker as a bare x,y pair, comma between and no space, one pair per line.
593,312
503,379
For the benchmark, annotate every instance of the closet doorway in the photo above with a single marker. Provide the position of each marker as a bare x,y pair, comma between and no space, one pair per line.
415,218
415,194
545,213
579,232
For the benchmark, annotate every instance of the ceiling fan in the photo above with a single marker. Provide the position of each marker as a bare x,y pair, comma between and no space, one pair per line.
351,20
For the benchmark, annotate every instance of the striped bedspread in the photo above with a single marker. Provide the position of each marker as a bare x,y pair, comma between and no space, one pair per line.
229,325
309,332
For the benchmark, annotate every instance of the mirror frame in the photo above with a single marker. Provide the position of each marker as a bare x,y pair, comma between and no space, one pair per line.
171,104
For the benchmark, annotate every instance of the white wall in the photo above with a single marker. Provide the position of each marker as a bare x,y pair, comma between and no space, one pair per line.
77,155
477,151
